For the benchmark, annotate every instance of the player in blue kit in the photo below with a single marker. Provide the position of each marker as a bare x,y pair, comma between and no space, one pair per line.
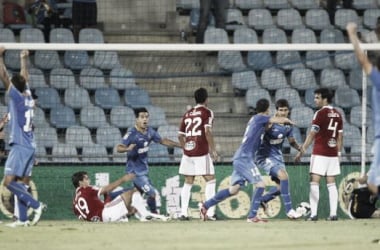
244,168
21,156
136,144
269,158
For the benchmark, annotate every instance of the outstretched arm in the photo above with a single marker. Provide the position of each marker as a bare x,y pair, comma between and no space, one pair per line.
24,65
3,70
362,57
115,184
170,143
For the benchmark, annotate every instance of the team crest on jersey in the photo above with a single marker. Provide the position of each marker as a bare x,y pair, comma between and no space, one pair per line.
190,145
331,143
126,135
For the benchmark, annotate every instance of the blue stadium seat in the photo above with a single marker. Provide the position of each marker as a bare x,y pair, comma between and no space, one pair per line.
7,36
231,60
309,97
65,153
288,60
276,4
157,116
61,35
364,4
259,60
303,35
92,78
273,79
78,136
356,79
42,155
39,119
254,94
158,153
317,19
45,136
62,117
302,115
215,35
108,136
12,60
47,59
346,97
344,16
92,117
244,80
107,98
290,94
122,117
234,19
332,78
245,35
62,78
346,60
31,35
122,78
77,97
90,35
303,79
289,19
48,98
356,116
136,97
106,60
304,4
260,19
249,4
37,78
168,131
95,154
352,136
187,4
274,35
76,60
370,17
331,35
318,60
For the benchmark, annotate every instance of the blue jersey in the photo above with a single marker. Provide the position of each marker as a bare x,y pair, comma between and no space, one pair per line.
21,118
137,159
271,146
375,77
252,137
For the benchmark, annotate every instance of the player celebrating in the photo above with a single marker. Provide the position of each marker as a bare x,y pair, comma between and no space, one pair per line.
326,132
21,157
244,168
197,141
88,206
136,144
269,158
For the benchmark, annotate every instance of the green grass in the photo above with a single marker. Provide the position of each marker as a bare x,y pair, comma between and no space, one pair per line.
194,235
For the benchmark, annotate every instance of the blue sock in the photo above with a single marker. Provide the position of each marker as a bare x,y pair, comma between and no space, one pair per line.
22,211
218,197
114,194
255,203
151,201
285,194
19,190
273,192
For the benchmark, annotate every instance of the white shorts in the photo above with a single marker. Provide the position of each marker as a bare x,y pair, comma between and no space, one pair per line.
114,210
196,165
324,165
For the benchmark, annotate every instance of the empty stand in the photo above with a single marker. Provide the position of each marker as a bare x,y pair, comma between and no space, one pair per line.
346,97
344,16
254,94
48,98
303,79
106,60
62,117
31,35
62,78
215,35
47,59
92,117
78,137
245,35
90,35
273,79
231,60
76,60
37,78
289,94
136,97
274,35
244,80
317,19
260,19
302,115
332,78
289,19
95,154
108,136
65,153
122,78
107,98
92,78
76,97
122,117
61,35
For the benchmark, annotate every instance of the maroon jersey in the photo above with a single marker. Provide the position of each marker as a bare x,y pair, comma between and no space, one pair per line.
327,122
193,126
87,205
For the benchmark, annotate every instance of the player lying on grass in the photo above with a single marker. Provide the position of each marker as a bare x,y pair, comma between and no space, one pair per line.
89,206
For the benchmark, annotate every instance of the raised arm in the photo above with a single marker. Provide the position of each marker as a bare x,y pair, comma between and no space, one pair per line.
361,56
3,70
24,65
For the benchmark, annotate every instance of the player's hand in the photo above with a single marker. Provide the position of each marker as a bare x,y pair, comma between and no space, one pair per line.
351,28
214,155
24,54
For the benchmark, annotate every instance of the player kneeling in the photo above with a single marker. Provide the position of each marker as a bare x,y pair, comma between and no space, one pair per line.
89,206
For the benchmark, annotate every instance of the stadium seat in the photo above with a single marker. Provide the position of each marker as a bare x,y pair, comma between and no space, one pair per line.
259,60
187,4
364,4
39,119
77,97
7,36
370,132
78,136
76,60
302,115
108,136
332,78
346,97
288,60
107,98
346,60
157,116
370,17
356,79
92,78
318,60
122,117
289,19
61,35
309,97
245,35
12,60
158,153
231,60
253,95
274,35
48,98
92,117
249,4
244,80
136,97
90,35
62,117
273,79
260,19
36,78
344,16
352,136
31,35
95,154
302,79
276,4
356,116
303,35
289,94
341,111
118,157
331,35
304,4
62,78
106,60
234,19
65,153
168,131
317,19
45,136
122,78
47,59
41,155
215,35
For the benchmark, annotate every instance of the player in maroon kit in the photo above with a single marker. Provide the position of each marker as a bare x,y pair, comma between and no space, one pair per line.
195,136
88,206
326,132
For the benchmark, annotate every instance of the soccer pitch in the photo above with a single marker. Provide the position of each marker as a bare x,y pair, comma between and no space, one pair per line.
194,235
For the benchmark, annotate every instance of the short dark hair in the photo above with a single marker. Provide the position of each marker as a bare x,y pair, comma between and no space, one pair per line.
19,82
77,177
325,94
140,110
262,105
282,103
200,95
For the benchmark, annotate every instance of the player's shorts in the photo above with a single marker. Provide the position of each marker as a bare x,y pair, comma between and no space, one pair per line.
271,166
114,210
374,171
20,161
245,170
324,165
143,184
196,165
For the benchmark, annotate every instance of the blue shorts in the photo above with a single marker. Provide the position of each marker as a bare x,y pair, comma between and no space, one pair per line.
374,171
245,170
144,184
20,161
271,166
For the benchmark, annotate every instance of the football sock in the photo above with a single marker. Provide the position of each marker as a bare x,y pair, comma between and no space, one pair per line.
20,191
333,198
114,194
185,198
22,210
219,196
151,201
272,193
255,202
314,198
285,194
209,193
138,203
